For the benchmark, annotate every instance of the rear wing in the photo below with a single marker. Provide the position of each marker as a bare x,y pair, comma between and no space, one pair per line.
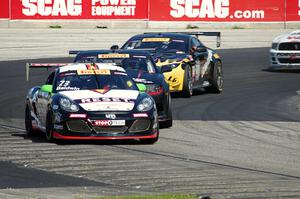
197,34
74,52
42,65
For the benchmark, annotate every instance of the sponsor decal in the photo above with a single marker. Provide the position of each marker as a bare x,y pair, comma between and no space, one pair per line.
156,40
91,66
74,115
102,91
108,122
52,8
92,72
110,116
115,55
129,83
59,127
216,56
113,7
138,115
105,99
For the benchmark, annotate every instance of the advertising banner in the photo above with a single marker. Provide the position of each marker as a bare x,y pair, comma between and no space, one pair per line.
293,10
79,9
217,10
4,9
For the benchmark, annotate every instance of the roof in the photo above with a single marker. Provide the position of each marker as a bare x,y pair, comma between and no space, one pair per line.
130,52
84,66
170,35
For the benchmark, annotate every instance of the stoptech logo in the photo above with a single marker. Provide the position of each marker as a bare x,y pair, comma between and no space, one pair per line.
210,9
52,7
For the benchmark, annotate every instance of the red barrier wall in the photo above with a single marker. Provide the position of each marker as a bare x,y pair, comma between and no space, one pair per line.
217,10
4,9
79,9
293,10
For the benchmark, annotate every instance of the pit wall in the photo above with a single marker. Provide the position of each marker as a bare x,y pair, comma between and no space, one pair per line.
150,13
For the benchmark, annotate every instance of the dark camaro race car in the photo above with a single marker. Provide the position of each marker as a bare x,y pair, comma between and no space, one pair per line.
194,65
90,101
140,66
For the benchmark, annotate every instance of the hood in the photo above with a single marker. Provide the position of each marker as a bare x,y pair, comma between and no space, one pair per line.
289,37
166,58
104,100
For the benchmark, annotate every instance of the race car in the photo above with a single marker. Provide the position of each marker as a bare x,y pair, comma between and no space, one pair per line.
285,52
90,102
140,66
193,64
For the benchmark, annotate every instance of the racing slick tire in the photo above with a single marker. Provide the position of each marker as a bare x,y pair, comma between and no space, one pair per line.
187,90
169,122
28,123
49,127
217,82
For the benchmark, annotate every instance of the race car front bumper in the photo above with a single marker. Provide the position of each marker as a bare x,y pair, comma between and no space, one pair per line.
284,60
175,79
97,126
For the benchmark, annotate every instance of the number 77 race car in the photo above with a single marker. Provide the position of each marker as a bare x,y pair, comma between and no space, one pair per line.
90,102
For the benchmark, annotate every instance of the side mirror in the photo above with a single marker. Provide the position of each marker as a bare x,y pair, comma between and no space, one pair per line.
141,87
165,69
47,88
114,47
201,49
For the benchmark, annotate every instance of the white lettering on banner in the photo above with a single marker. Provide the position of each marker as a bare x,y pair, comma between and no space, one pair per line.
113,7
198,8
52,7
299,7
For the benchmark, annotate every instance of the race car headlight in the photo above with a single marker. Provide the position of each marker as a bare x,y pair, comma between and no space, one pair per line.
274,46
67,105
145,105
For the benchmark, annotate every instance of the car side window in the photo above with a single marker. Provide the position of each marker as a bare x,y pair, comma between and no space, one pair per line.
50,78
196,42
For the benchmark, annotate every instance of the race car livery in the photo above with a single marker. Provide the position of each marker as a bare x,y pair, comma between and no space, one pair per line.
193,64
285,51
140,66
90,101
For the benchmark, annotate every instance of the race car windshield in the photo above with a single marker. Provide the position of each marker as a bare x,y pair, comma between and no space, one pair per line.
71,81
139,63
158,45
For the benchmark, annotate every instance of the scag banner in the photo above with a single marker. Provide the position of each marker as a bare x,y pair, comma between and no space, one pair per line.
217,10
4,9
293,10
79,9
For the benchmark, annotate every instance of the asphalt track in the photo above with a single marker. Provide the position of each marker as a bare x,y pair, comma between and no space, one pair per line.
243,143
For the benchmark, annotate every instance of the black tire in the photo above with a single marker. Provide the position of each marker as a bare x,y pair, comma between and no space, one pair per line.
217,82
187,90
28,123
169,122
49,127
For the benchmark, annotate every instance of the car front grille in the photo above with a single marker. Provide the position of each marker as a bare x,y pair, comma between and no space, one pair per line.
136,126
292,46
140,125
78,126
110,129
289,61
